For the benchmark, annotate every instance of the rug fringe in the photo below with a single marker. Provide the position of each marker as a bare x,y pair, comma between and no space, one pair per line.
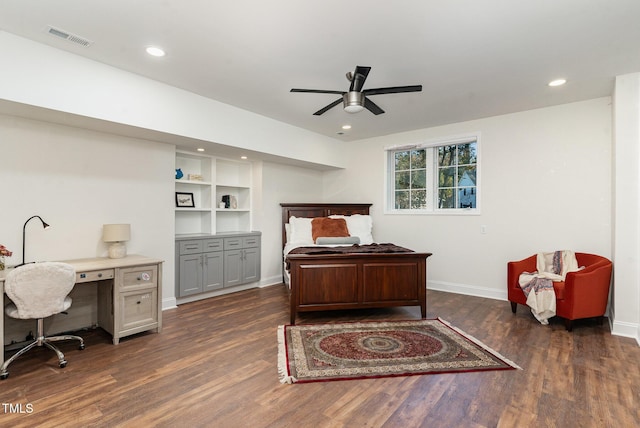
480,344
283,368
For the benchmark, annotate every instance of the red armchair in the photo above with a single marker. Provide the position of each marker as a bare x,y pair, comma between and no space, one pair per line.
583,294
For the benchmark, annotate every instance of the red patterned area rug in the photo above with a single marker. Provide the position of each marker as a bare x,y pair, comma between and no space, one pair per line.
359,350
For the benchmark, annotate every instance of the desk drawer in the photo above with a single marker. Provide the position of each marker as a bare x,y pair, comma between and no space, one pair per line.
139,276
96,275
139,309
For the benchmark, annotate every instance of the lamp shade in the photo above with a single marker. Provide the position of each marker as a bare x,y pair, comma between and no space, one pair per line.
116,232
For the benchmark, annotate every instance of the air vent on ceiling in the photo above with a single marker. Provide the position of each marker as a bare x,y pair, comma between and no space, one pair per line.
73,38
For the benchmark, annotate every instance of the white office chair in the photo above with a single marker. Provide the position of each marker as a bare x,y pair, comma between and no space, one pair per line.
37,291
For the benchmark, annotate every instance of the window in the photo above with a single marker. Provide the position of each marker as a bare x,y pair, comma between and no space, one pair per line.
434,177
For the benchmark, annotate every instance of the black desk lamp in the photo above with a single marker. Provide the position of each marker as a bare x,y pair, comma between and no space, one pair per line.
24,228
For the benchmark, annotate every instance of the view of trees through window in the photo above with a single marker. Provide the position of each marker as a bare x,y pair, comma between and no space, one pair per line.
434,177
457,167
410,179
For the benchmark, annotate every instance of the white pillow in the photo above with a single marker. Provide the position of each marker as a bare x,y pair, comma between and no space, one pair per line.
300,230
359,225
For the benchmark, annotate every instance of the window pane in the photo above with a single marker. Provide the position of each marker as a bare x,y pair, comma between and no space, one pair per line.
467,153
403,180
446,177
418,159
446,155
419,199
466,176
467,197
419,179
446,198
402,160
402,200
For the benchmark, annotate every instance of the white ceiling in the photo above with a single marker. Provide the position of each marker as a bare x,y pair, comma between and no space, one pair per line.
474,58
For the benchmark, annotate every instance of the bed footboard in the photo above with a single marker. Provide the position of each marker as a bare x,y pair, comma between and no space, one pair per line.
352,281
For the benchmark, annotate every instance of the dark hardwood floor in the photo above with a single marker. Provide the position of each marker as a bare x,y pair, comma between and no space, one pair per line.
214,365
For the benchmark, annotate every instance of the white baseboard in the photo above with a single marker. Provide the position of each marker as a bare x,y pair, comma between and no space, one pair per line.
626,329
467,289
169,303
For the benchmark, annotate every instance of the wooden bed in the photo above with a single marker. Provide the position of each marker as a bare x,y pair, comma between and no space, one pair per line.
322,282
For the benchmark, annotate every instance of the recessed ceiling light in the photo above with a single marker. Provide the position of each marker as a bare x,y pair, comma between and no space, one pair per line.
557,82
243,157
155,51
346,126
200,149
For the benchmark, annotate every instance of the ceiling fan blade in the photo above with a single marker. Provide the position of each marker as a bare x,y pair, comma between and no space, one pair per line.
317,91
330,106
372,107
393,90
359,77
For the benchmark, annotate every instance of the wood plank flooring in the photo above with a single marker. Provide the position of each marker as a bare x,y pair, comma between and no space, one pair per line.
214,365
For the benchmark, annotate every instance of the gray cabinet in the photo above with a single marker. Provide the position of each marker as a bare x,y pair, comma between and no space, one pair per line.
199,266
213,262
241,260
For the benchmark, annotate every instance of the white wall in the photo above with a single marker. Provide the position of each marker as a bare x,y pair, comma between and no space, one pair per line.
626,239
38,75
77,180
546,185
281,183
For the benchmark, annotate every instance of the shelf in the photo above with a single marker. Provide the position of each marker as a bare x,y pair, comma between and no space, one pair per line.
190,210
193,183
220,177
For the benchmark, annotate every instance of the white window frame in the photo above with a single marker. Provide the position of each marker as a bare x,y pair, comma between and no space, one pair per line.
432,176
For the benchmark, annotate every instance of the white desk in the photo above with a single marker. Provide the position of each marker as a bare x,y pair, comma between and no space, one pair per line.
129,294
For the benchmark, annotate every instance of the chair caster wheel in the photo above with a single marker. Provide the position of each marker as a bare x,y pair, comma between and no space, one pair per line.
3,376
81,347
63,364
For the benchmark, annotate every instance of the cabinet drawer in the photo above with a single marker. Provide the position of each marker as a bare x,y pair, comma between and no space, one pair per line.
140,276
139,308
213,245
190,247
250,241
232,243
96,275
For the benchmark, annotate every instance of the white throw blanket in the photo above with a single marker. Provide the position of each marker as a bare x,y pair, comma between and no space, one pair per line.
538,285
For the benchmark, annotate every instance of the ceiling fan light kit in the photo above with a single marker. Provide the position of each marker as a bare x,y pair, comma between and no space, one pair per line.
353,102
355,99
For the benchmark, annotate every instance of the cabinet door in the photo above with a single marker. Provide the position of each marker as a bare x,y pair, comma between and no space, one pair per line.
213,278
190,274
251,265
232,268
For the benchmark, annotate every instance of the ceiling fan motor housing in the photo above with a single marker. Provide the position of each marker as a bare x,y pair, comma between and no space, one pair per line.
353,101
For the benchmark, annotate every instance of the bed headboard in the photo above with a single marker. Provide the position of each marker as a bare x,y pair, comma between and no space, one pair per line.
319,210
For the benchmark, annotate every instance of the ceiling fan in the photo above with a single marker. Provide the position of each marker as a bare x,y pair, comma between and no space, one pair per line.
355,99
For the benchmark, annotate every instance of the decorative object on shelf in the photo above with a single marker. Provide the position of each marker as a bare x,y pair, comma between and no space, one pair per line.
234,202
184,200
24,228
179,173
4,252
116,234
222,205
195,177
227,201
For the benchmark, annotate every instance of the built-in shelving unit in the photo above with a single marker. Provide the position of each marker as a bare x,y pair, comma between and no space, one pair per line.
219,178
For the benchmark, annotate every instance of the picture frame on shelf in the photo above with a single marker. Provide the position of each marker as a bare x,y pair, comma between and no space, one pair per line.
184,200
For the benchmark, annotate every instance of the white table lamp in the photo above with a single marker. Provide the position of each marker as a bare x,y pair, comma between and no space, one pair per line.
117,234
